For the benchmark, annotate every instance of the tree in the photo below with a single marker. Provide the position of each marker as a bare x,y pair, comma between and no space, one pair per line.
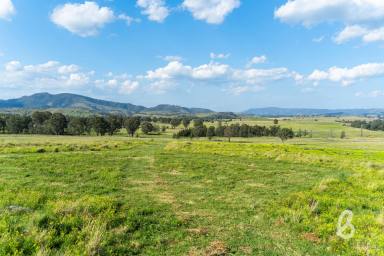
244,131
3,125
18,124
199,131
198,122
147,127
274,130
132,124
100,125
285,134
228,132
210,132
58,123
40,122
275,121
175,122
77,125
40,117
115,123
186,122
219,131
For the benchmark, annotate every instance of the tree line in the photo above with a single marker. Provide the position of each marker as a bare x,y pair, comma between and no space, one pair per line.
44,122
235,130
375,125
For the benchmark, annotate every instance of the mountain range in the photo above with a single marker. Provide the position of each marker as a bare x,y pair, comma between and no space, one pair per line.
274,111
74,103
79,103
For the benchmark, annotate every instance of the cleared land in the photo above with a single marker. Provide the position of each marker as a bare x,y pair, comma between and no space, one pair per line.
159,196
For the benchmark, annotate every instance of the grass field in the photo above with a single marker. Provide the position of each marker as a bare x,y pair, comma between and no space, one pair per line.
159,196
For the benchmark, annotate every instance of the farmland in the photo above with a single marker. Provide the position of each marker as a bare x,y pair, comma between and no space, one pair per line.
154,195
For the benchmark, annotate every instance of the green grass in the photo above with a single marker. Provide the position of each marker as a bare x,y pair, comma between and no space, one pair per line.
158,196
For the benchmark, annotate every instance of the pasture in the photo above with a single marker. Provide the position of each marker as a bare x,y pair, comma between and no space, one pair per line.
154,195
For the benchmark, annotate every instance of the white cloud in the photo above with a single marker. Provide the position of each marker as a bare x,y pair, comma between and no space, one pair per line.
77,79
347,76
318,39
238,90
49,75
310,12
129,87
65,69
156,10
213,74
112,83
82,19
219,55
211,11
367,35
350,32
257,60
128,19
12,66
7,9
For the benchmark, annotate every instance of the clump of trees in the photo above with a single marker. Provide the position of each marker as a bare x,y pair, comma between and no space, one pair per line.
44,122
234,130
375,125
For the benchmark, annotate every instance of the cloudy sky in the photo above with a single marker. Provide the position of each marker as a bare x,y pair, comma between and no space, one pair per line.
228,55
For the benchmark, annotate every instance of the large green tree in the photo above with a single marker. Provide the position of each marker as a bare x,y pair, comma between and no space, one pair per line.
58,123
18,124
77,125
147,127
115,123
100,125
132,124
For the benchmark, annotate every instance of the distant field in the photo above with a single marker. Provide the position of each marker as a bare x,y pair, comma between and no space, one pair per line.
158,196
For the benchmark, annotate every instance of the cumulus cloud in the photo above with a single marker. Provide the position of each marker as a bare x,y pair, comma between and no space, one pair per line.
156,10
213,74
82,19
238,90
7,9
347,76
211,11
309,12
356,31
257,60
129,87
49,75
359,16
350,32
122,83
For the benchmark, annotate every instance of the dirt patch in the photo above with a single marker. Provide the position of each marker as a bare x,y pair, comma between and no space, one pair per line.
311,237
217,248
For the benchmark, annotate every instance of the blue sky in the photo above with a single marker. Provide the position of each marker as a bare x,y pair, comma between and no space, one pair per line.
228,55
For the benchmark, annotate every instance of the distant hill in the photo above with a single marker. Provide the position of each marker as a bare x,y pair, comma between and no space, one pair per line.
79,103
273,111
